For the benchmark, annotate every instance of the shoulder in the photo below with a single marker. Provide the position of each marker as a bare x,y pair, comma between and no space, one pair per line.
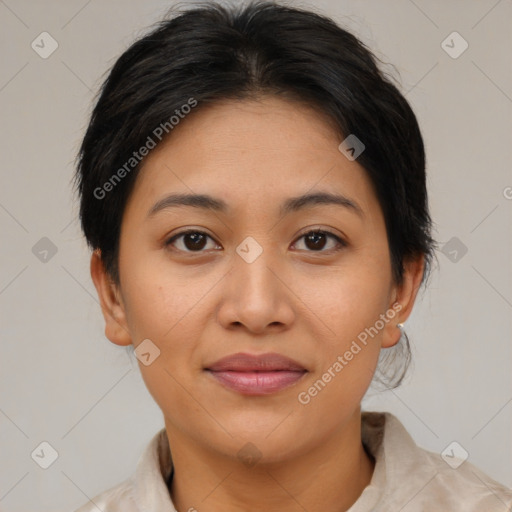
460,485
116,499
420,480
455,487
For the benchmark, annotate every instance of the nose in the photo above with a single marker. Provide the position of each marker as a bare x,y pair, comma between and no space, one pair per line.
256,296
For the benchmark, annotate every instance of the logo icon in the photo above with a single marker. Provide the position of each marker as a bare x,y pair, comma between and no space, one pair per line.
146,352
249,455
351,147
44,455
249,249
454,249
454,45
454,455
44,45
44,250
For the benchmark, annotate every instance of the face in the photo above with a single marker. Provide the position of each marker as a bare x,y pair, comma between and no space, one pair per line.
255,272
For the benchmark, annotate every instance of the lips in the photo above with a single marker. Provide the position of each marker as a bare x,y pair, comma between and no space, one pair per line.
256,374
270,362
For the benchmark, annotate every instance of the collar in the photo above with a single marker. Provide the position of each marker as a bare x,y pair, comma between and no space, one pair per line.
385,438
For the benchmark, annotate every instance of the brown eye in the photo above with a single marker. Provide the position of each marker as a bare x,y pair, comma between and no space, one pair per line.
189,241
317,240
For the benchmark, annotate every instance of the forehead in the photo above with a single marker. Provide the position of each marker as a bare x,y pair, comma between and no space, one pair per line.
251,152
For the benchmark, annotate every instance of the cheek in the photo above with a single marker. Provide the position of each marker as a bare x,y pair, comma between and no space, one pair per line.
165,306
346,308
349,354
346,300
163,312
159,301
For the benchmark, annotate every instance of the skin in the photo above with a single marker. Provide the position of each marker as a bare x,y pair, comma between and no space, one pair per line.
304,302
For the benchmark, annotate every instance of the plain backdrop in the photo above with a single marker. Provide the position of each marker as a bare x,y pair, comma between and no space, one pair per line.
62,382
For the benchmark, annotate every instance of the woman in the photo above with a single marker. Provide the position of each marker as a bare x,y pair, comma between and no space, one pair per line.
253,189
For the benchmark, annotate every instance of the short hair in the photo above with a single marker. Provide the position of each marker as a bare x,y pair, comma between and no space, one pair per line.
211,52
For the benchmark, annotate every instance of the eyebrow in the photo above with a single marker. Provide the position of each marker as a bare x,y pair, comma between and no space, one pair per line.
292,204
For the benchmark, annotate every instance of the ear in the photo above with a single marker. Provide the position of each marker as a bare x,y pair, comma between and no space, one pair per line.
403,299
116,327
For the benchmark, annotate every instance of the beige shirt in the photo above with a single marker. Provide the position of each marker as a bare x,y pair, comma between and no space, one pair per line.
406,478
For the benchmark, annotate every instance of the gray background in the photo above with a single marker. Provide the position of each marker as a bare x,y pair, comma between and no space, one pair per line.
62,382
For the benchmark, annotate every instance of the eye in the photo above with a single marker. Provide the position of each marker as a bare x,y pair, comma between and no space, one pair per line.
316,240
195,241
191,240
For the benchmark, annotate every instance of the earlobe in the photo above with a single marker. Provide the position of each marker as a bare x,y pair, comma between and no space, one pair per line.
404,299
116,328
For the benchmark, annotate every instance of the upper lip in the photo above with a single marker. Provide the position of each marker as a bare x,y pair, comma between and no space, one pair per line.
242,362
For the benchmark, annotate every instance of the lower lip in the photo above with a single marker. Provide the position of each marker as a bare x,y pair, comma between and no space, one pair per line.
257,383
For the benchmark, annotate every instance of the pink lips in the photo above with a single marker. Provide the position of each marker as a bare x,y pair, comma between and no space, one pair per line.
256,374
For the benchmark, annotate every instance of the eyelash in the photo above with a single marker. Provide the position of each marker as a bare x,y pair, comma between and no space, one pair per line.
339,240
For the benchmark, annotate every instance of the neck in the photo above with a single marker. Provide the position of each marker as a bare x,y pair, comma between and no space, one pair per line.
330,476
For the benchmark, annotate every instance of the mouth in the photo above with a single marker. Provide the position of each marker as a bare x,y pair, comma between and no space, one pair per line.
262,374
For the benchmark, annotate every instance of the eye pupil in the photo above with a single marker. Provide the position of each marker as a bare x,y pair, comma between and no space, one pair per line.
198,241
317,239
